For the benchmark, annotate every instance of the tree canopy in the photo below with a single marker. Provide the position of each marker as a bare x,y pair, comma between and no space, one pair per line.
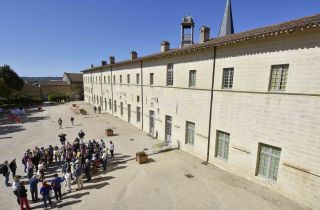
9,80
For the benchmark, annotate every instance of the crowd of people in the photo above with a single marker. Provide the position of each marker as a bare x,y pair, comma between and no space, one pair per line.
74,159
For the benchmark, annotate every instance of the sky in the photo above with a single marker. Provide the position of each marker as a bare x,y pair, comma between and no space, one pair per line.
49,37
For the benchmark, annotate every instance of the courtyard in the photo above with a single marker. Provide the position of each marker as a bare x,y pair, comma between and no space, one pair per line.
170,180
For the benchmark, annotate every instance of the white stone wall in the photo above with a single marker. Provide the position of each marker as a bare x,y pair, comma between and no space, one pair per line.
179,101
128,93
288,119
249,111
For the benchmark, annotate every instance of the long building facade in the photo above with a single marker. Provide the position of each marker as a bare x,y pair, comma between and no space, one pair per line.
247,102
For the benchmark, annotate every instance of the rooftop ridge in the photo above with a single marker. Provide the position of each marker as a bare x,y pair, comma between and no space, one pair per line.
300,24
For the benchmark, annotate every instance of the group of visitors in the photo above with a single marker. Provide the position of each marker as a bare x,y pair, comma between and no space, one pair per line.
73,158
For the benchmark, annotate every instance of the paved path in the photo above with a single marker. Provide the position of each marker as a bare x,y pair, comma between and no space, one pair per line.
160,184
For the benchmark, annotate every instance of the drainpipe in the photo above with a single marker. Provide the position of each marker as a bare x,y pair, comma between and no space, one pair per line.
91,88
101,99
111,91
141,95
211,101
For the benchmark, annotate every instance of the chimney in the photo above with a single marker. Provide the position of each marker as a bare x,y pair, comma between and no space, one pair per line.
92,66
165,46
112,60
103,63
134,55
204,34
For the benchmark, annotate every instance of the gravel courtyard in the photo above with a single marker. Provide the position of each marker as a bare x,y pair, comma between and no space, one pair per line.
159,184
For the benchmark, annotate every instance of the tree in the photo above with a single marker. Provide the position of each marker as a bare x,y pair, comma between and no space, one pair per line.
4,90
9,80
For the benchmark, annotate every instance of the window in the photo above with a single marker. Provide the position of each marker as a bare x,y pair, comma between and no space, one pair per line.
227,81
269,158
104,79
170,74
120,79
128,78
138,98
138,79
96,79
109,79
138,114
279,75
192,78
114,79
190,133
222,146
121,108
110,104
115,106
151,78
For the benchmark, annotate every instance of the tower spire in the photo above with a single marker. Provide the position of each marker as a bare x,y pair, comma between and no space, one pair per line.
227,21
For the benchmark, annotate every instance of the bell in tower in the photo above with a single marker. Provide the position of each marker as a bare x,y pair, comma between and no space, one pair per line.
187,29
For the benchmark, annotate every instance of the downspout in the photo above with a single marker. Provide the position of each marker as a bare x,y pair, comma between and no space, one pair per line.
141,95
101,99
91,88
111,90
211,101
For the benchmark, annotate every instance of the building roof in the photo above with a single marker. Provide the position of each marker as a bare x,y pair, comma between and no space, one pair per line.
74,77
53,83
301,24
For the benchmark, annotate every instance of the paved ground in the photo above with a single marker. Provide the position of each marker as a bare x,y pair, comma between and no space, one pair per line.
159,184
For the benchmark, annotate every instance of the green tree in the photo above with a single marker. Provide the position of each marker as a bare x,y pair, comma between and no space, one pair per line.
4,89
10,78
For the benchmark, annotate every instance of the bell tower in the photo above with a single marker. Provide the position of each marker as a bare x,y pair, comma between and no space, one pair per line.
187,31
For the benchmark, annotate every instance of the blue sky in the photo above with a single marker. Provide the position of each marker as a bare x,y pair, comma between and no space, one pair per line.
49,37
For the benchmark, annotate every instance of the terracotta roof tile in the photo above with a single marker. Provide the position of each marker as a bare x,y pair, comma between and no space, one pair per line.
75,77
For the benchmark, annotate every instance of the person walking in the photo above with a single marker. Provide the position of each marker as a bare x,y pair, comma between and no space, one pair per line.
72,119
78,175
67,177
104,159
15,187
41,169
63,138
6,173
81,135
33,182
95,109
36,158
25,160
22,194
51,153
13,167
111,148
99,109
60,123
87,170
29,168
56,186
45,192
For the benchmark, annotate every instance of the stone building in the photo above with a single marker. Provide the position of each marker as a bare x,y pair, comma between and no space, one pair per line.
247,102
71,85
75,81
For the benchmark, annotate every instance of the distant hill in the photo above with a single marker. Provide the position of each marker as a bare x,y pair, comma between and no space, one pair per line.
32,79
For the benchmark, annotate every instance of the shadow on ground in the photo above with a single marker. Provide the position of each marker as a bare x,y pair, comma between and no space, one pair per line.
6,129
